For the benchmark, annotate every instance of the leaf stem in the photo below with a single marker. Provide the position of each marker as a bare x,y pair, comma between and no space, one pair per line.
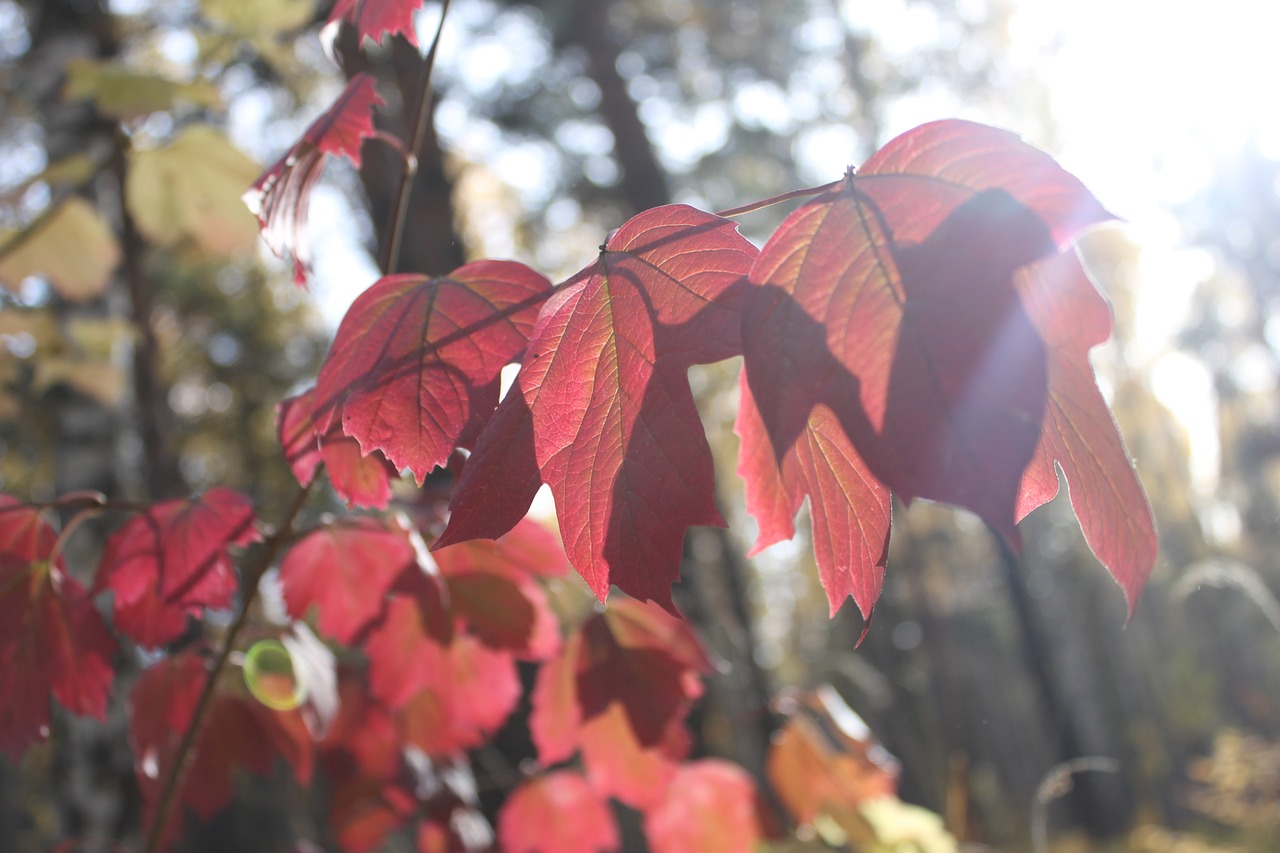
395,225
182,759
777,199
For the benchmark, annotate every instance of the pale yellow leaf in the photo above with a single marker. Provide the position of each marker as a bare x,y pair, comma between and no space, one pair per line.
122,92
73,249
190,190
97,379
256,17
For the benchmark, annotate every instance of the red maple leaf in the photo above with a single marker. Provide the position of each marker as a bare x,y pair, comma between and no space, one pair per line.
51,637
619,691
612,421
708,805
171,561
414,370
888,323
281,195
373,19
358,479
556,813
345,570
1079,433
238,732
850,512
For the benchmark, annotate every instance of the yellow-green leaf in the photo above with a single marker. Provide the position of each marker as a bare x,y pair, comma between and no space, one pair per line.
122,92
190,190
256,17
73,248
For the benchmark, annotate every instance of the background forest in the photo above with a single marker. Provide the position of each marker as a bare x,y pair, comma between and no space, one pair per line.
152,366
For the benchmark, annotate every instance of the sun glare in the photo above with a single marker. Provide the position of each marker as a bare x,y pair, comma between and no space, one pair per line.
1149,99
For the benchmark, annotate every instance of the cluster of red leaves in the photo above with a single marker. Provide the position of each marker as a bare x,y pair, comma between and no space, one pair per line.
52,640
919,328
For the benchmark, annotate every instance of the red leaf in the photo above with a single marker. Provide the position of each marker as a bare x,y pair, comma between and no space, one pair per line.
493,592
345,570
527,549
709,805
405,653
557,813
172,560
556,715
620,766
282,193
850,513
375,18
469,694
1079,433
620,691
500,479
51,637
505,611
615,430
238,732
414,368
893,301
358,479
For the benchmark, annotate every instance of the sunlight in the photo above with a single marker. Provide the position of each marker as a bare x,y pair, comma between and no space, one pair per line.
1148,99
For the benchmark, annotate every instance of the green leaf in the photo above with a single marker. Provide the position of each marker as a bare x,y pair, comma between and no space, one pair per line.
190,190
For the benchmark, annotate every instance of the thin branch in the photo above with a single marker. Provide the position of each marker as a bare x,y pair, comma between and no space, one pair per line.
182,759
777,199
395,225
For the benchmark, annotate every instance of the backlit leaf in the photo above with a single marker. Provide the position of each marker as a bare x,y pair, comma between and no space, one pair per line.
826,761
51,636
471,691
414,368
709,805
373,19
171,561
893,307
280,196
556,813
1079,434
345,570
615,431
358,479
619,691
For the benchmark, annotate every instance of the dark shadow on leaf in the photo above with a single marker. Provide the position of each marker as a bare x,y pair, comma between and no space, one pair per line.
967,378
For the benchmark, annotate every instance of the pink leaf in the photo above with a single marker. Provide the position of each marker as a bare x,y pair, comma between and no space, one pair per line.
345,570
373,19
556,813
709,805
281,195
